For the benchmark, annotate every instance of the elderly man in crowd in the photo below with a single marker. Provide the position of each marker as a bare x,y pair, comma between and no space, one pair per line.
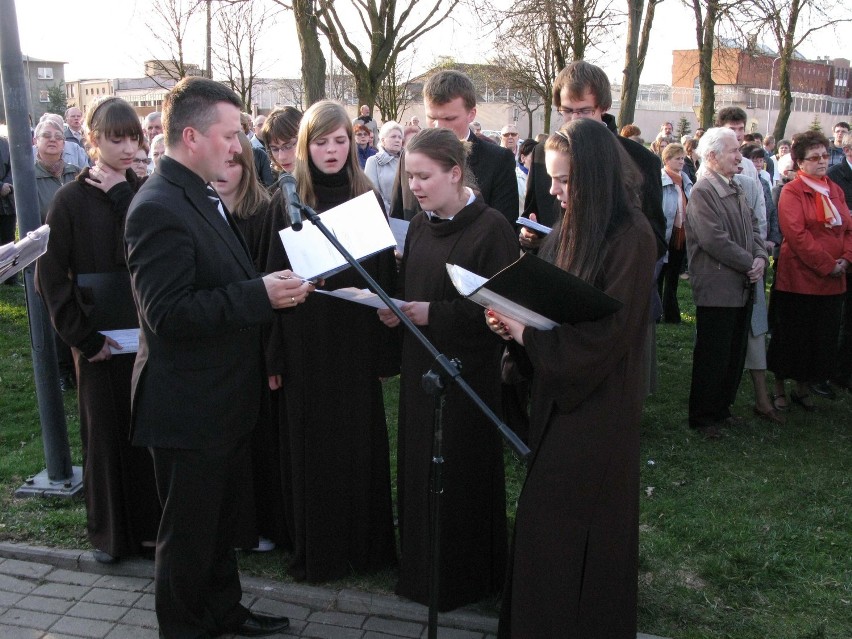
74,127
509,138
726,258
153,124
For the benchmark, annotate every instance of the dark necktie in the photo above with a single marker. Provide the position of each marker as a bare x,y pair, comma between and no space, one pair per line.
214,197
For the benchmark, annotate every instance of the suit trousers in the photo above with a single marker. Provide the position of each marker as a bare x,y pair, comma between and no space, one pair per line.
197,584
717,362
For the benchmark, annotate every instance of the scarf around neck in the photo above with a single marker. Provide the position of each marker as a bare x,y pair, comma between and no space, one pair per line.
826,212
54,168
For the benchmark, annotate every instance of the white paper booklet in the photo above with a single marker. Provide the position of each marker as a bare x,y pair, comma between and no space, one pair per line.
471,286
359,296
127,338
16,257
359,224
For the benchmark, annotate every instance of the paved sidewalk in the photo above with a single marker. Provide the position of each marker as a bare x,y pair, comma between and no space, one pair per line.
47,593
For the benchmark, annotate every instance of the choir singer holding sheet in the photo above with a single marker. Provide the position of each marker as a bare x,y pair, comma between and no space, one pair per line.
574,569
196,382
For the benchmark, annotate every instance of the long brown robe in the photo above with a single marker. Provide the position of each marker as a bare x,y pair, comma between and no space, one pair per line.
574,569
333,435
87,237
473,504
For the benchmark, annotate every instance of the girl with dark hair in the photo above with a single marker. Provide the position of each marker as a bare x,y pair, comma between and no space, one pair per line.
324,361
574,568
86,219
453,227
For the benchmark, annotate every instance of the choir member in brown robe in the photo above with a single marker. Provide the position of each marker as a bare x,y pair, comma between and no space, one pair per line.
325,360
574,569
86,219
454,226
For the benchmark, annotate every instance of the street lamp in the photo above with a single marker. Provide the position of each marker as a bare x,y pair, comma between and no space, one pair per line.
769,107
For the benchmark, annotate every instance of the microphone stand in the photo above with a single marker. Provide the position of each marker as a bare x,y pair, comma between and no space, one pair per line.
435,381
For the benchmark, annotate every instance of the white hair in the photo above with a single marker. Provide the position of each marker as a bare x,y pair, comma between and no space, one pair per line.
712,142
48,122
389,126
151,117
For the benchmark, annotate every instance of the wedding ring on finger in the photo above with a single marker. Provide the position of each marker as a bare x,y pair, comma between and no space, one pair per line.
293,300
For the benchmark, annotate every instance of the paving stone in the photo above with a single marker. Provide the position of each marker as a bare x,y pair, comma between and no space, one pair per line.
145,602
112,597
13,632
73,577
13,584
280,608
61,591
87,610
83,627
28,619
26,568
120,582
323,631
338,619
9,599
133,632
136,617
45,604
394,627
454,633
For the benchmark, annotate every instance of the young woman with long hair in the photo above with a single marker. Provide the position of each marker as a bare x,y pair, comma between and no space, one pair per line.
86,219
574,569
325,361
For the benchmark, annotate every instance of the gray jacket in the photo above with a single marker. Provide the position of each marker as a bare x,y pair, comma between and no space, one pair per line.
722,240
47,185
381,169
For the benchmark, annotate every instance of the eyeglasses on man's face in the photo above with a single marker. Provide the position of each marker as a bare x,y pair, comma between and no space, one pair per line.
583,112
275,150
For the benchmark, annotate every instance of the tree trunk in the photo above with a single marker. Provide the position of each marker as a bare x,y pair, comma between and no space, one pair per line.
630,79
313,60
209,53
785,97
705,67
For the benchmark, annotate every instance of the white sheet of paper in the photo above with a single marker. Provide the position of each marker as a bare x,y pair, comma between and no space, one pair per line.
360,296
15,257
399,228
359,224
127,338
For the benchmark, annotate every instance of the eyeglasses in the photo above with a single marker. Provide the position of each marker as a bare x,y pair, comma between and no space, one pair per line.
509,135
275,150
567,112
59,137
817,158
141,160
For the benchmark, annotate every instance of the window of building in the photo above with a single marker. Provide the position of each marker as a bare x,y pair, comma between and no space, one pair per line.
45,73
43,96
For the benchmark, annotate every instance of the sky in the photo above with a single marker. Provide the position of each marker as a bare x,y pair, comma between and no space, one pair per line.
110,38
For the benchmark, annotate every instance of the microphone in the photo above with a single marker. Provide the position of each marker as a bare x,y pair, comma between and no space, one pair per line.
294,202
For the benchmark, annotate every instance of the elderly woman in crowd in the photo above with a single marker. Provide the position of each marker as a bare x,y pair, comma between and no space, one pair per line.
676,189
141,161
51,171
810,280
660,142
362,143
158,149
381,168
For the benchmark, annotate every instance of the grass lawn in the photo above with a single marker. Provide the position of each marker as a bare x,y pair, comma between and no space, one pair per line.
749,537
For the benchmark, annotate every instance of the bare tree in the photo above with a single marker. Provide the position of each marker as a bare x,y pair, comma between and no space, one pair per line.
387,33
638,37
239,27
168,24
313,61
394,95
791,23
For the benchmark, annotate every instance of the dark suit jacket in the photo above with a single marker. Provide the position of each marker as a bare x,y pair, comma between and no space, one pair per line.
841,174
494,170
198,376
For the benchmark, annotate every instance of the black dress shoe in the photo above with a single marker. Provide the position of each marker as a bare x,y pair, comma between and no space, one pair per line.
66,382
258,625
103,557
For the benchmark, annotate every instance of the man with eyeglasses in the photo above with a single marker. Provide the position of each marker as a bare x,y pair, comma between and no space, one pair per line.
835,150
582,90
509,138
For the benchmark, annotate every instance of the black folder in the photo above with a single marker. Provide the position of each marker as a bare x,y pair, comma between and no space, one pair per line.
112,306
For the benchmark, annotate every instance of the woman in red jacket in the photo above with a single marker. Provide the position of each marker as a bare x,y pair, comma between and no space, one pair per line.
809,282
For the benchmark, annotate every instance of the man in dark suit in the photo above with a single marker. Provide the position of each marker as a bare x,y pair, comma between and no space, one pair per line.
841,173
449,98
582,90
196,384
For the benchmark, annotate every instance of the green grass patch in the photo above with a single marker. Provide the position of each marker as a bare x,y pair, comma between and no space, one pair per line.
748,537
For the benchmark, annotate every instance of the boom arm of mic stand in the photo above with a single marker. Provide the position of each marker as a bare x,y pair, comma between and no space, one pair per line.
448,370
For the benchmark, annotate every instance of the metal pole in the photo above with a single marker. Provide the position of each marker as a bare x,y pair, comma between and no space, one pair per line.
60,475
769,111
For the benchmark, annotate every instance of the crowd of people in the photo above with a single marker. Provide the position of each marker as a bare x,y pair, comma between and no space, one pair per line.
252,414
